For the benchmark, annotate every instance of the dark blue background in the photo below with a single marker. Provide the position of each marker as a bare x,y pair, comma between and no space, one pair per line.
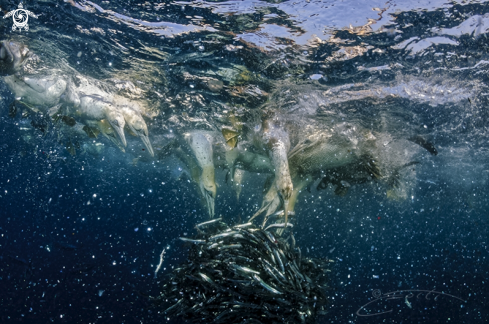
443,248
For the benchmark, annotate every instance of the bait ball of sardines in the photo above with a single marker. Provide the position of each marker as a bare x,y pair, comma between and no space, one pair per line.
244,274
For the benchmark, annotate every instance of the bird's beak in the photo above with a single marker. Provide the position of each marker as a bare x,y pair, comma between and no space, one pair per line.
209,198
120,132
210,202
237,180
208,188
115,140
285,193
146,142
286,212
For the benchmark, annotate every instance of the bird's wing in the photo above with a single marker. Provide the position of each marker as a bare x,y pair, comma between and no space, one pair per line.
9,14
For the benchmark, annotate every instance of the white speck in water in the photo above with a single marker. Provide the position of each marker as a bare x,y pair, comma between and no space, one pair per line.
375,276
94,195
150,190
142,195
101,292
136,229
149,229
114,263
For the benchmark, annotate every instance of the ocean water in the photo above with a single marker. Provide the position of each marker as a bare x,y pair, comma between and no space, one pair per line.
81,233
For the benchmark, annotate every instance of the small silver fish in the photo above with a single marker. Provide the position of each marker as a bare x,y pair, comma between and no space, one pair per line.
222,235
186,239
212,221
244,269
243,225
266,286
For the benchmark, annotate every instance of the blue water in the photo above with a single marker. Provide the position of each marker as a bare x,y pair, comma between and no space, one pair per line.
81,236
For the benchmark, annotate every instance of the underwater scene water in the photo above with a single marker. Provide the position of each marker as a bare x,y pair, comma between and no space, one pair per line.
244,161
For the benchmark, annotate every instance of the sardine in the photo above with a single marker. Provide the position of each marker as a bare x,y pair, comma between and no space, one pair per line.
231,246
243,225
206,278
266,286
212,221
218,317
275,270
222,235
244,269
271,273
238,236
271,237
247,305
278,260
292,245
172,307
186,239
